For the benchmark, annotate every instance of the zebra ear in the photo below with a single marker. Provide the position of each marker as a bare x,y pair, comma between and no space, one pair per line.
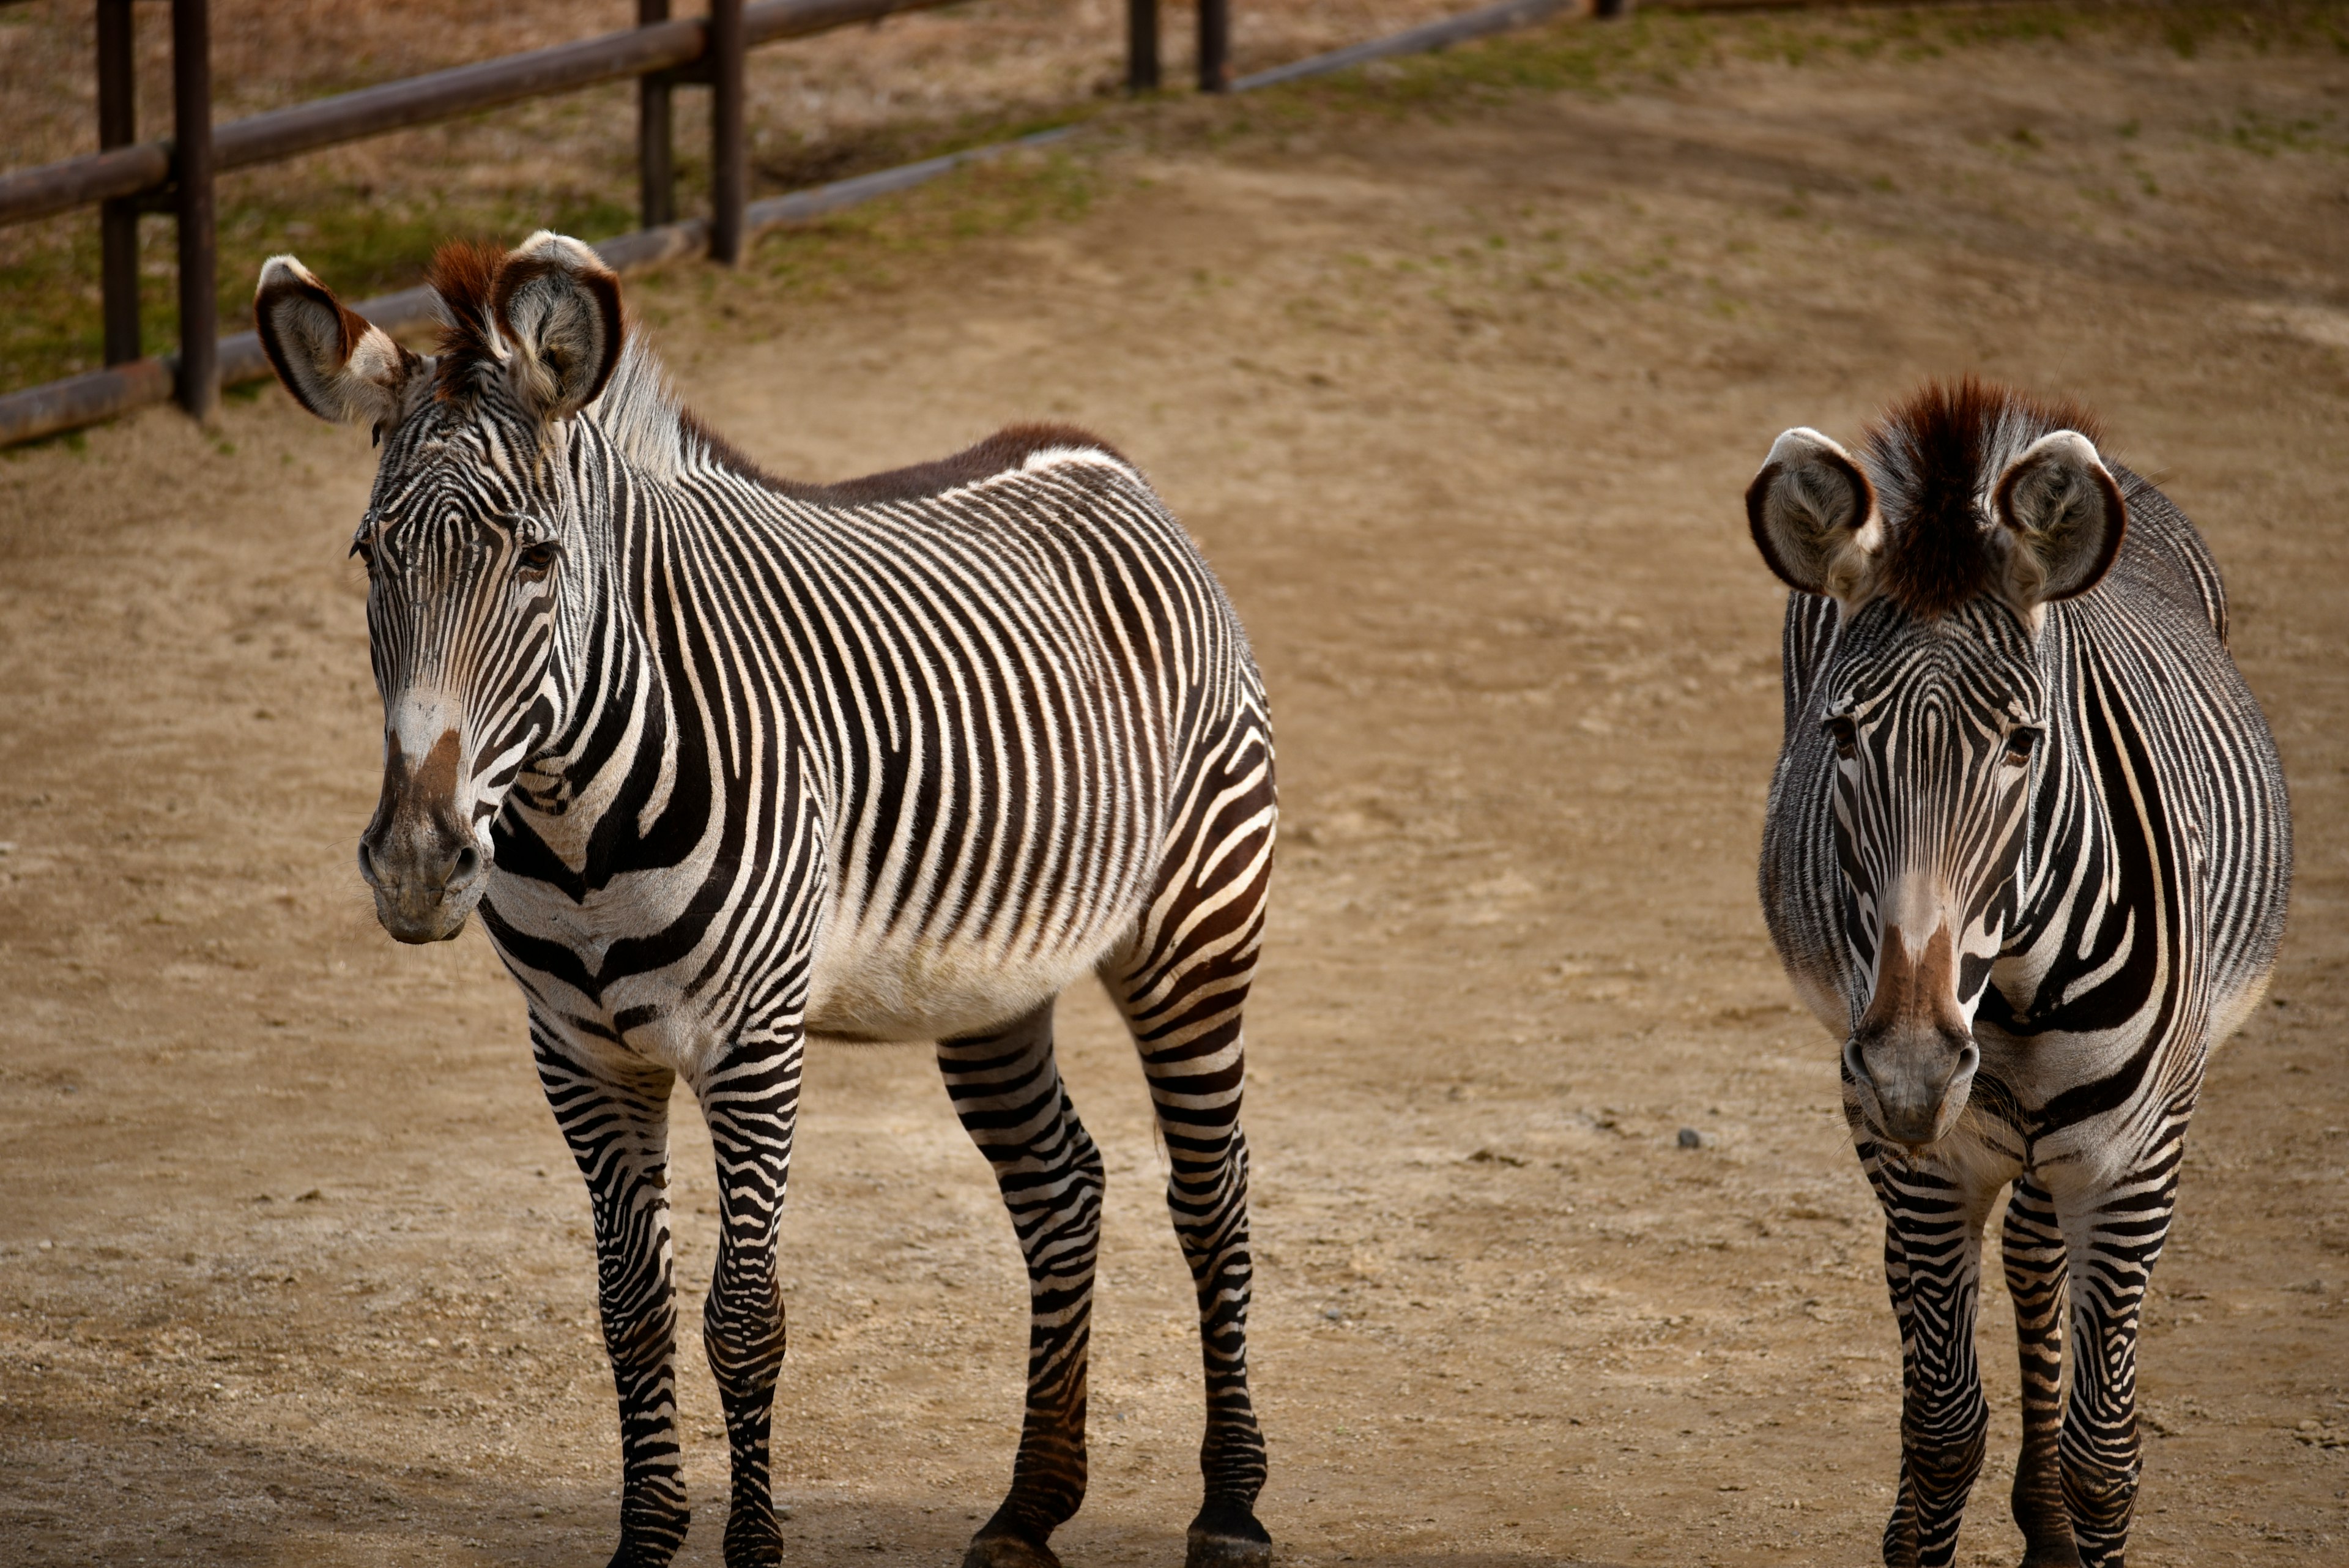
337,364
2066,515
1813,514
558,306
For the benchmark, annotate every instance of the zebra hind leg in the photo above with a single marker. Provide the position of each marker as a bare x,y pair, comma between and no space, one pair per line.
2032,1248
613,1111
1007,1090
1182,983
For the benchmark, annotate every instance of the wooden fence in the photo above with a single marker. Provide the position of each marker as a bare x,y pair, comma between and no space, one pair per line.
126,178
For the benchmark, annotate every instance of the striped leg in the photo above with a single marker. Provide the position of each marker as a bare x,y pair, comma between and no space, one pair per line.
1933,1264
613,1107
2112,1248
751,1100
1007,1089
1182,985
2032,1248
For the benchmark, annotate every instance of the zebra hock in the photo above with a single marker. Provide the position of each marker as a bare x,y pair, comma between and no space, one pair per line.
2026,855
726,763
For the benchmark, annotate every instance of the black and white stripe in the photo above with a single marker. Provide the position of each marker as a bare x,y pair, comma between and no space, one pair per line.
2027,854
752,762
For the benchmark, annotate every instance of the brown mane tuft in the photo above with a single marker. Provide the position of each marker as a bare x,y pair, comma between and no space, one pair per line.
465,275
1934,458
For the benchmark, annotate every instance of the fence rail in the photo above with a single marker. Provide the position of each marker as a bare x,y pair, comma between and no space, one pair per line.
128,178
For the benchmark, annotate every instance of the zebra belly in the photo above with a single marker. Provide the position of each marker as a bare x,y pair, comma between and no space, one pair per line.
868,987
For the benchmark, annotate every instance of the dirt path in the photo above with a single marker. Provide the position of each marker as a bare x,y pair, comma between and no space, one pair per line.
1460,400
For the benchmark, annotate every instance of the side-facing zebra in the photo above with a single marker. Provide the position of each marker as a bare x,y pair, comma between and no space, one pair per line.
2027,856
728,761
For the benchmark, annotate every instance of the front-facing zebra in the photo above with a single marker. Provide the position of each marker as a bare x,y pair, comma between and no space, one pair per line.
726,762
2026,855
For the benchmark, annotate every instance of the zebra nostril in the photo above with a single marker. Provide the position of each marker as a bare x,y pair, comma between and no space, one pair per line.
1853,1063
366,866
468,865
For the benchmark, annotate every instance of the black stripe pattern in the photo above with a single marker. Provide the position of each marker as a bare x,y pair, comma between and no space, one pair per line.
2079,798
752,762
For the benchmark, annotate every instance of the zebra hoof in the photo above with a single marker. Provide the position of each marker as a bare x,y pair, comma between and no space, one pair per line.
1002,1549
1226,1535
752,1540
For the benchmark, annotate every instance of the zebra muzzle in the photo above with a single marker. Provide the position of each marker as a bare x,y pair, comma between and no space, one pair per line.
1913,1056
417,854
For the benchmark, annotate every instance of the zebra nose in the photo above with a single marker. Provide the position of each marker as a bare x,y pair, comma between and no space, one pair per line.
1913,1090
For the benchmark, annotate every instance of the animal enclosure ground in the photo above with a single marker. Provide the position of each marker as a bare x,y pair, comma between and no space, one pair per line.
1459,384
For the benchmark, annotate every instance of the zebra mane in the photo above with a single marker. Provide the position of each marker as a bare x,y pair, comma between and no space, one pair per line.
639,413
1934,460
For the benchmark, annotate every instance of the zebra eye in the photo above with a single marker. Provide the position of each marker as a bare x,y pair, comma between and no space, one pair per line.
537,560
362,550
2020,741
1845,735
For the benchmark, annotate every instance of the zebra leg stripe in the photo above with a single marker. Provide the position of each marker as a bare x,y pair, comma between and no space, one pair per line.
2112,1250
750,1102
2032,1251
1181,986
1007,1090
1932,1246
614,1112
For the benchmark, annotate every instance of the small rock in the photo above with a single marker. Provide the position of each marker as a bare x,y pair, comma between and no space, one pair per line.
1333,1314
1691,1138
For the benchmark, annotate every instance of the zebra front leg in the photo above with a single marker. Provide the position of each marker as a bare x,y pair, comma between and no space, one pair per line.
2111,1248
751,1100
613,1108
1182,983
2032,1250
1007,1090
1933,1227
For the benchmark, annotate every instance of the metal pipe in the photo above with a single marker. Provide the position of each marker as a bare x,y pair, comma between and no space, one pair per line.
191,129
118,221
1417,40
1142,45
1215,45
656,128
729,152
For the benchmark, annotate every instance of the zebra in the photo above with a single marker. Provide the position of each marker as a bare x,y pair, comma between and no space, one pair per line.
2027,854
725,761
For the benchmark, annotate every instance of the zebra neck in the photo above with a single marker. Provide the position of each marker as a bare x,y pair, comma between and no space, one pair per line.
2091,943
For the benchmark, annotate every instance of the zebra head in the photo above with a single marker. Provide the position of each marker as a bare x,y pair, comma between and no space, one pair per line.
1971,511
473,539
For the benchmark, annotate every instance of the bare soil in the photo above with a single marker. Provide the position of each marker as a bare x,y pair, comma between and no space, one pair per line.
1459,388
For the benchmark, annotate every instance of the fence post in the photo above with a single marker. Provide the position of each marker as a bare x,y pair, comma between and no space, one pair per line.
1142,45
191,127
729,174
655,145
118,220
1215,45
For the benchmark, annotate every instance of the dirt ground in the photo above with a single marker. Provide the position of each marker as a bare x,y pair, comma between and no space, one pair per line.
1459,393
